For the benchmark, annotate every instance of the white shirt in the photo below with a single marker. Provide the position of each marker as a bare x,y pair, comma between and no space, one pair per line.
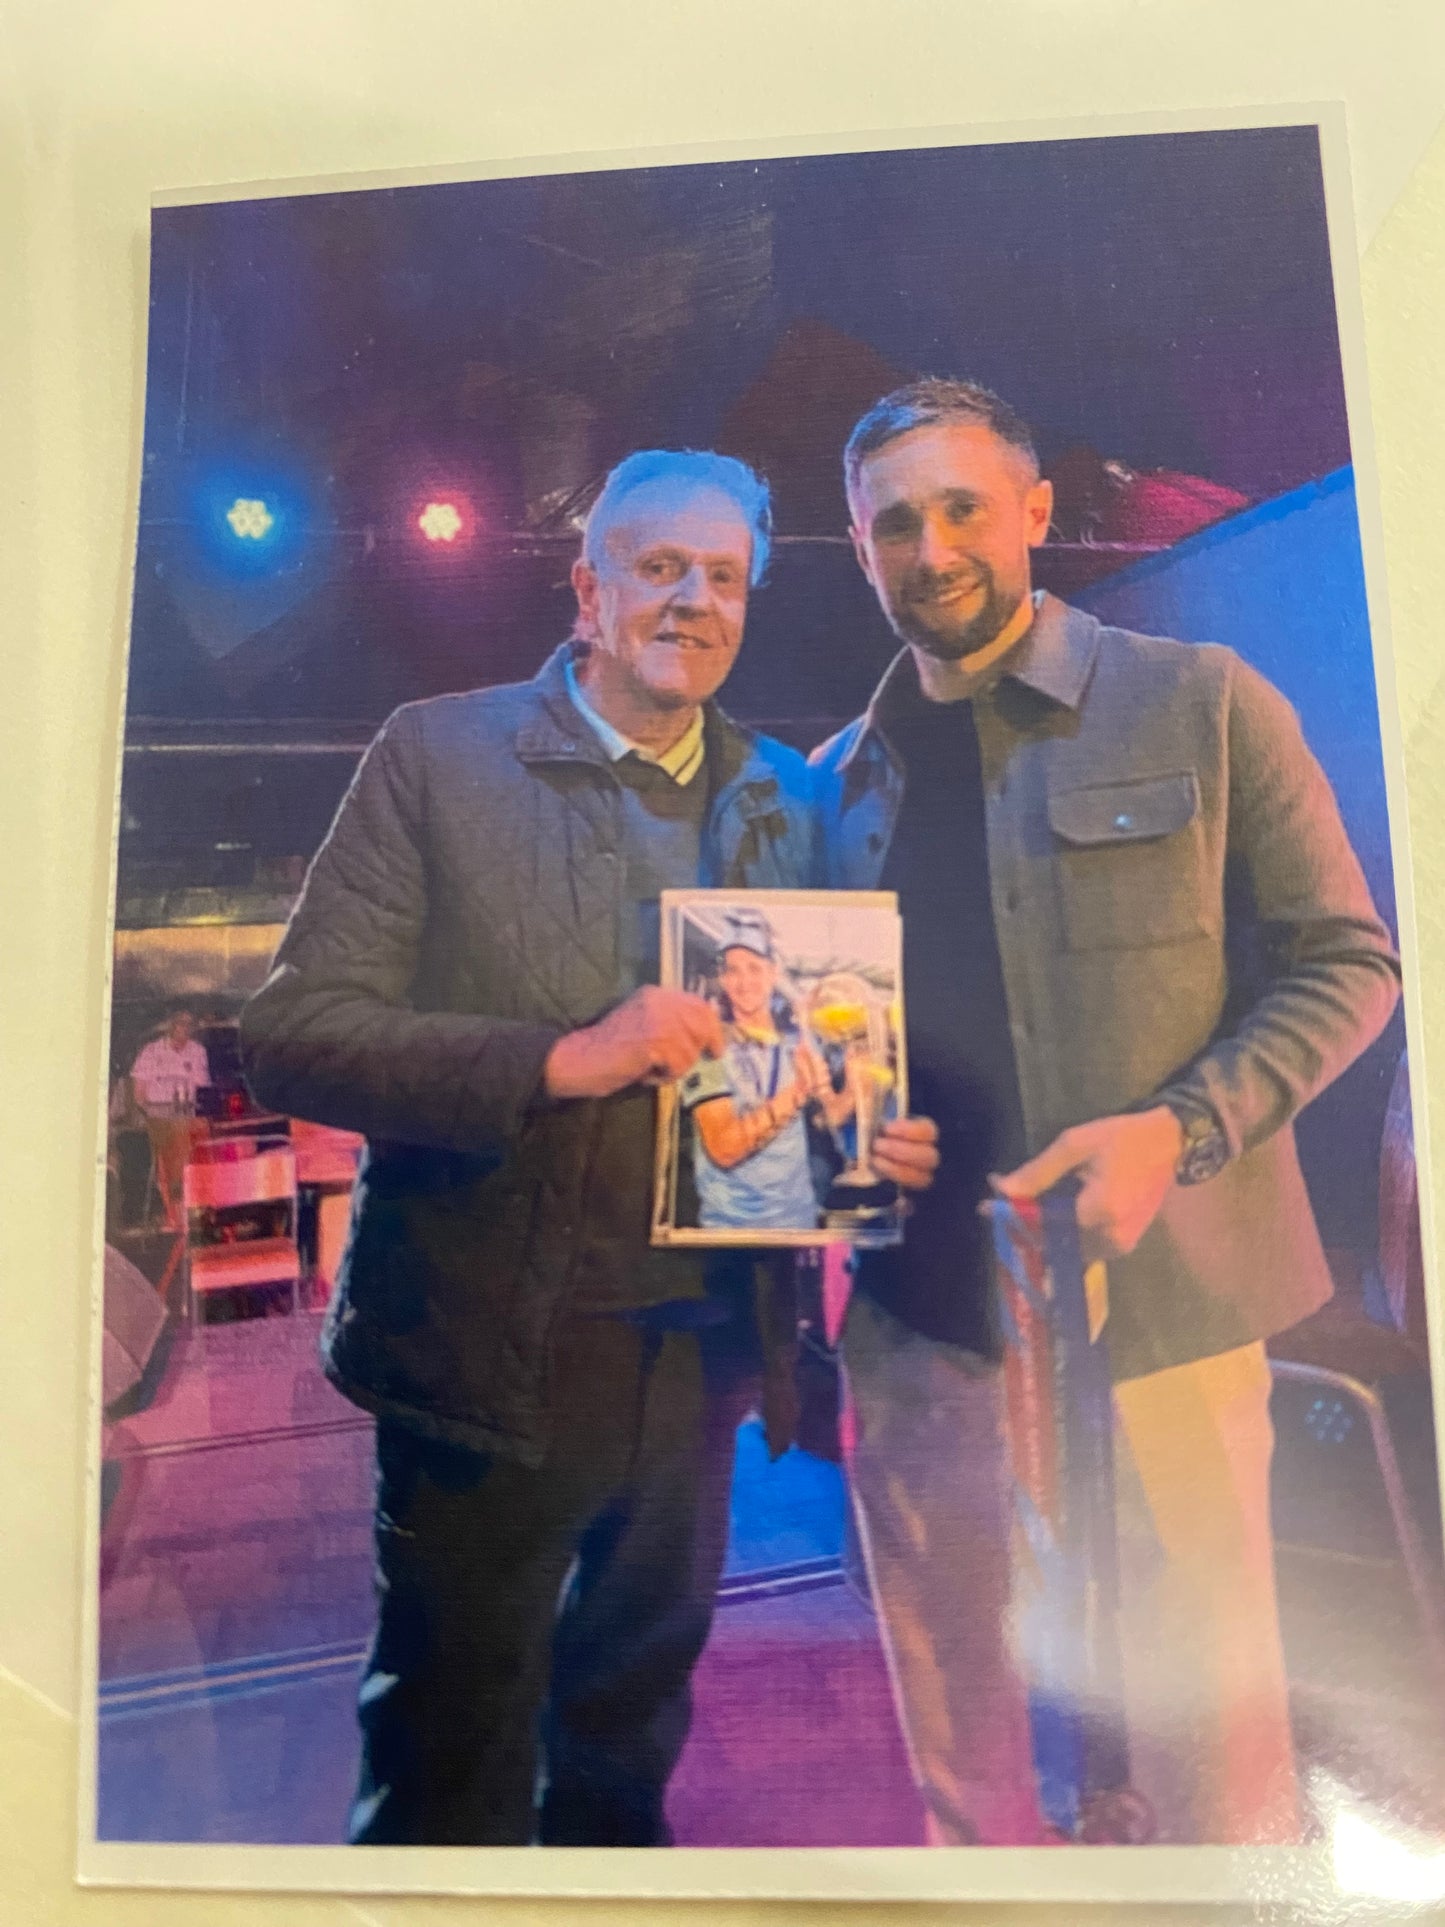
682,762
166,1078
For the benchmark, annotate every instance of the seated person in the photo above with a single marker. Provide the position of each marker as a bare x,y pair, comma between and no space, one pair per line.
751,1161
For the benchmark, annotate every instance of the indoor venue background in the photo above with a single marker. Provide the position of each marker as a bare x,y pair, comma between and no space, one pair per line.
373,422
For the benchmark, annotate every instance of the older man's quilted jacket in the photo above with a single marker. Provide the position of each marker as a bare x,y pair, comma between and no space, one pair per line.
463,913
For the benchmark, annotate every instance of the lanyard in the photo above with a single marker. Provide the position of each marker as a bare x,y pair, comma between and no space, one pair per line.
760,1095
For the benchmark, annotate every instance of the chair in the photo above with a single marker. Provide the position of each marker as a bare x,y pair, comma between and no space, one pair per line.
326,1165
225,1150
1347,1368
241,1224
134,1318
1340,1400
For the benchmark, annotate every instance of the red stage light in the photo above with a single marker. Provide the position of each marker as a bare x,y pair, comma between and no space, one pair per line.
442,521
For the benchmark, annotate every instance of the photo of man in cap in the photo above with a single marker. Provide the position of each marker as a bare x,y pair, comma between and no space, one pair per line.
749,1105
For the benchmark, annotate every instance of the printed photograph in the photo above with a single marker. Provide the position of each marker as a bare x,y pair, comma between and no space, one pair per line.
769,1137
761,1177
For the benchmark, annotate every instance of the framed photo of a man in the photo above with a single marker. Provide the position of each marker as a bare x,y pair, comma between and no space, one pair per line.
768,1139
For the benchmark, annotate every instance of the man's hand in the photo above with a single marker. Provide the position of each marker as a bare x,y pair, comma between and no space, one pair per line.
906,1150
810,1073
655,1035
1126,1165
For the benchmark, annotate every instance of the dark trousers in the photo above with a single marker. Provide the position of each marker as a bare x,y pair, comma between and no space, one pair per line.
538,1627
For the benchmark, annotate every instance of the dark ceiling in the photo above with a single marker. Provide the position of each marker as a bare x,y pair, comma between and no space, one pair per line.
1164,299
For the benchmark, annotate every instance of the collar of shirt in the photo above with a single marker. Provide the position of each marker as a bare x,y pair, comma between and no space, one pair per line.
1054,657
1056,654
682,762
979,672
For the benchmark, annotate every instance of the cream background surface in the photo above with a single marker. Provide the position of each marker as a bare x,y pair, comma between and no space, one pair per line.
100,104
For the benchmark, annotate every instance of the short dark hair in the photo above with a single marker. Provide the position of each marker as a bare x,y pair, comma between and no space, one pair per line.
923,404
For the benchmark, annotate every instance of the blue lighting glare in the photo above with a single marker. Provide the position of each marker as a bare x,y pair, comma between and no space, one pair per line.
249,520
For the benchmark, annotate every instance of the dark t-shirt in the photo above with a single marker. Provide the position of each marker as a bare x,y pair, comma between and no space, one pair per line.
961,1068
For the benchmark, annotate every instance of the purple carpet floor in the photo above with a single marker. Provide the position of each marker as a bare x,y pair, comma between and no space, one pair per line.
236,1602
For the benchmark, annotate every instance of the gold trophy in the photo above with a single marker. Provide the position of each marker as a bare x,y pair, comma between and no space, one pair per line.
847,1015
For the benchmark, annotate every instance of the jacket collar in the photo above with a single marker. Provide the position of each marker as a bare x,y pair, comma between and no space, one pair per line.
1056,654
1054,658
556,731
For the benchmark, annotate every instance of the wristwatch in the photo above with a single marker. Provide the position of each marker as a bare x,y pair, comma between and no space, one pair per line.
1206,1149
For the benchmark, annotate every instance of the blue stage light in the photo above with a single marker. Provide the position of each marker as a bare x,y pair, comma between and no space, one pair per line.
250,519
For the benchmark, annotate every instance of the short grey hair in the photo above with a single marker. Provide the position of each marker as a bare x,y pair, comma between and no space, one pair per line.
926,404
689,469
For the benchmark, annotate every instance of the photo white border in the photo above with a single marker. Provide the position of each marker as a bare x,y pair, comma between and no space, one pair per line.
665,1233
1314,1878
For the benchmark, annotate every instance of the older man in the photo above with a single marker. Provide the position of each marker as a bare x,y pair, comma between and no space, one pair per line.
1137,942
468,980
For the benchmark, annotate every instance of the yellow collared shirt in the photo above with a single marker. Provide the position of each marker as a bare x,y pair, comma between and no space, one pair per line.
681,762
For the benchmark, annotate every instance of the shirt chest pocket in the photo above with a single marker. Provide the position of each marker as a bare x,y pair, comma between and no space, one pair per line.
1131,865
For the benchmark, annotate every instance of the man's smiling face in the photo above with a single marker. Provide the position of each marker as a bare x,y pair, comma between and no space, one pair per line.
943,521
663,607
748,980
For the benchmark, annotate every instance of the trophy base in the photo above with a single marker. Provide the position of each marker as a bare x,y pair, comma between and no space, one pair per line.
867,1214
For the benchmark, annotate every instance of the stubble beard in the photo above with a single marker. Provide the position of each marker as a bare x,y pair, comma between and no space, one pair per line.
955,645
